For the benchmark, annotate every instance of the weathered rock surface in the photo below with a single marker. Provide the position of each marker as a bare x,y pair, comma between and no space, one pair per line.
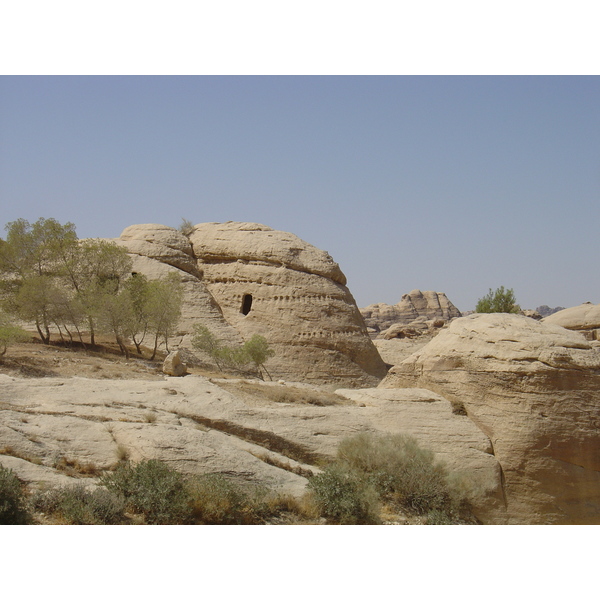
534,389
198,427
412,306
242,279
173,365
584,318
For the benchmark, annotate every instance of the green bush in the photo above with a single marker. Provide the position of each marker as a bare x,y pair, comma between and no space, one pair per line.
13,507
152,489
343,496
219,501
499,301
76,505
400,470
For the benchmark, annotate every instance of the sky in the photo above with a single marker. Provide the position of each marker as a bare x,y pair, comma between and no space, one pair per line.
456,184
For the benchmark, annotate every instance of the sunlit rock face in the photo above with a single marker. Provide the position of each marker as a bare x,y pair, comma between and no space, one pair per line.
534,389
242,279
584,318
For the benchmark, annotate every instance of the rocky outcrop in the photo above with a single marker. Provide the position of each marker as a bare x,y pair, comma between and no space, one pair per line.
546,311
196,426
242,279
533,388
415,305
584,318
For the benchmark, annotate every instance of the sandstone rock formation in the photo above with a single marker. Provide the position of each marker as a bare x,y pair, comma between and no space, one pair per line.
201,426
584,318
242,279
534,389
412,306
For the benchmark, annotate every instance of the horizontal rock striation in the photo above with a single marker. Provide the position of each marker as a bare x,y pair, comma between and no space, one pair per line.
412,306
242,279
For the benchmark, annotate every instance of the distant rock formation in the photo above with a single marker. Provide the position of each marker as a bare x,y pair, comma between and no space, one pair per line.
416,305
584,318
533,388
242,279
546,311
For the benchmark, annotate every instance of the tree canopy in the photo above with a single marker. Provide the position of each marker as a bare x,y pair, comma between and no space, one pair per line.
498,301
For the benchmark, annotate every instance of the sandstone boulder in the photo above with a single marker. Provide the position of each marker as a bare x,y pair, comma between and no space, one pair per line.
173,365
533,389
584,318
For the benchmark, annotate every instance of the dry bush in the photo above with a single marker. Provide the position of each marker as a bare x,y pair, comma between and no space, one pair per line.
76,505
403,473
73,467
219,501
284,393
152,489
13,504
343,496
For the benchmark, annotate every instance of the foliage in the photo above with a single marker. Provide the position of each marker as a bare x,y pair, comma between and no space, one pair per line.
55,280
344,497
400,470
186,227
76,505
9,333
219,501
255,351
163,307
498,301
153,489
13,508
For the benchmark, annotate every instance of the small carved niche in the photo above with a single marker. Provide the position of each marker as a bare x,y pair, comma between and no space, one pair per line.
246,304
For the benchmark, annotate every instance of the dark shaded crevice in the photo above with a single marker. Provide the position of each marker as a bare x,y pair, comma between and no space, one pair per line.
266,439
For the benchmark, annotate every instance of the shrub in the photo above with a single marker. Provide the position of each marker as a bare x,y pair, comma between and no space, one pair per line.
153,489
76,505
219,501
343,496
499,301
401,471
13,508
255,351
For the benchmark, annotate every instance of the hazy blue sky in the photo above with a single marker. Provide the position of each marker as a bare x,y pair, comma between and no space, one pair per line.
454,184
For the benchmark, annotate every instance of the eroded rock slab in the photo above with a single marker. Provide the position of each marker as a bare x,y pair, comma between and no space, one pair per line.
534,389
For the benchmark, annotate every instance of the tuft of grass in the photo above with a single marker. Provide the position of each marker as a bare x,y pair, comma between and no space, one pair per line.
122,453
150,417
284,394
10,451
74,468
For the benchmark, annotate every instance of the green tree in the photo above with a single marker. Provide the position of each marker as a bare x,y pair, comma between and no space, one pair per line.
35,248
257,351
165,297
498,301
